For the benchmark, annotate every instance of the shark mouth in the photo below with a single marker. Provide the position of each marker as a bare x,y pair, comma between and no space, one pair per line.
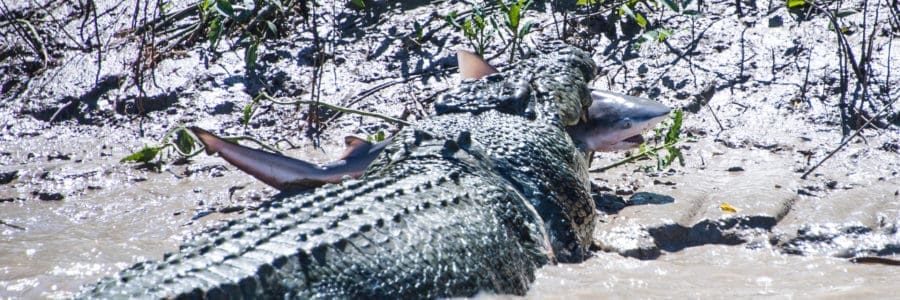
635,139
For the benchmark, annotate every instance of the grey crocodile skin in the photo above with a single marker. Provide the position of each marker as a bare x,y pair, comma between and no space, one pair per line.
475,198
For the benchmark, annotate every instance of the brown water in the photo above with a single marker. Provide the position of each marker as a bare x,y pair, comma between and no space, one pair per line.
714,272
115,215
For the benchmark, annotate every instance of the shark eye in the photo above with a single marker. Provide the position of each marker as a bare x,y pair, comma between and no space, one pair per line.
626,124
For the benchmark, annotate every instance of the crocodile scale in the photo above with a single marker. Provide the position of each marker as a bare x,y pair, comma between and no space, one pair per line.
475,198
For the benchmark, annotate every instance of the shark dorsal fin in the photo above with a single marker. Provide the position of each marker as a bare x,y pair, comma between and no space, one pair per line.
355,147
472,66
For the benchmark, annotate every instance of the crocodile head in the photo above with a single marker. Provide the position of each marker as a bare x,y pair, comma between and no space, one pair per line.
613,121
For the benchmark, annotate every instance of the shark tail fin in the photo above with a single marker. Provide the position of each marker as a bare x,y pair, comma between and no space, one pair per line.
278,171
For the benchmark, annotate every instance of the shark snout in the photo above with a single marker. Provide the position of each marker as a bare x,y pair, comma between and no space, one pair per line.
616,121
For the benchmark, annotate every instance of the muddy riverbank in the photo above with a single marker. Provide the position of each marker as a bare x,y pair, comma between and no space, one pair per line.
764,89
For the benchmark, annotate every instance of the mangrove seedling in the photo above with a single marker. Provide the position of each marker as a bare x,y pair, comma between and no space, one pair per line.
474,28
512,20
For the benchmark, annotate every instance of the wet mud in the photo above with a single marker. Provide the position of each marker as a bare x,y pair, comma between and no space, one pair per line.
763,87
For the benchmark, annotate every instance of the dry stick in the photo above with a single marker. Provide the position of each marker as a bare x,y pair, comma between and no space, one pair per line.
888,75
709,91
805,86
867,53
99,43
847,141
35,40
681,54
576,18
166,20
14,226
337,108
633,158
370,91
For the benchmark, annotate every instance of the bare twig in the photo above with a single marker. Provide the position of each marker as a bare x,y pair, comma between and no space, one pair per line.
632,158
35,41
13,226
99,43
846,141
337,108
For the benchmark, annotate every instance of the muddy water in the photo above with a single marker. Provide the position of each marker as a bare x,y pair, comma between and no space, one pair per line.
114,215
716,271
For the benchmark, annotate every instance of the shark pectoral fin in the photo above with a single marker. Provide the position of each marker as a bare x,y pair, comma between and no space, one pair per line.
472,66
356,158
355,147
278,171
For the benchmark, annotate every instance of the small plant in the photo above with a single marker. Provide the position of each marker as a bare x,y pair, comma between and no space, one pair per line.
359,4
672,137
250,108
377,137
474,28
632,9
512,20
183,144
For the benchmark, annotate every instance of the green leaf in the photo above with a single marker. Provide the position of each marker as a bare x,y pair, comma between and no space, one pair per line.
251,54
184,142
587,2
451,19
675,128
513,16
215,31
272,27
468,31
525,29
248,112
658,35
357,3
206,5
626,11
796,3
419,31
144,155
377,137
224,8
672,5
639,18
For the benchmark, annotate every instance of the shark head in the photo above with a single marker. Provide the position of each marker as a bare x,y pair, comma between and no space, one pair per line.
615,121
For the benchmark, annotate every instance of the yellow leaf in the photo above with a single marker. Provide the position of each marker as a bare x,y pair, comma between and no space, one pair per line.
727,207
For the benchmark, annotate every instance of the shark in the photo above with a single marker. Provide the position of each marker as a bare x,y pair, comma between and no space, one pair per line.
613,122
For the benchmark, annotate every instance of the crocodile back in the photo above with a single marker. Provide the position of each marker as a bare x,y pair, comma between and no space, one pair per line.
475,198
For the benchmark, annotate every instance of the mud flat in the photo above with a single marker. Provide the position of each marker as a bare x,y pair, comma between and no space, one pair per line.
763,87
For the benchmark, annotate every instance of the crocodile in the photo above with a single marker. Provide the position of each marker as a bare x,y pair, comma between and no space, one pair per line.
612,122
474,198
